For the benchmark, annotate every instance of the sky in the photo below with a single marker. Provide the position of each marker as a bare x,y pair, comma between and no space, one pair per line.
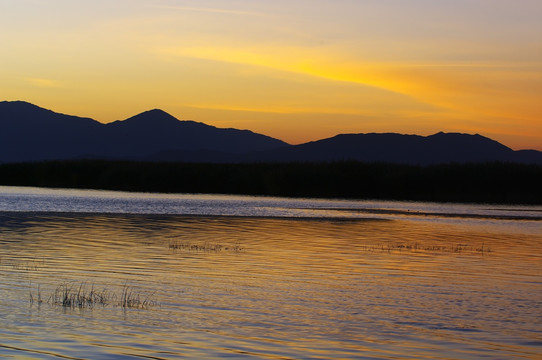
297,70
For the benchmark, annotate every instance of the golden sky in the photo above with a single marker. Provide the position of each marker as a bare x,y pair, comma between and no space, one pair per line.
297,70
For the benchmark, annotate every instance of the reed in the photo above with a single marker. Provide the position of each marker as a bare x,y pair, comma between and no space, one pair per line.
70,296
204,247
79,296
129,299
26,264
39,300
432,248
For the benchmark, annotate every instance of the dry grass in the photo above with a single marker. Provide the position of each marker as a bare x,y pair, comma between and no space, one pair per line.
24,264
204,247
432,248
79,296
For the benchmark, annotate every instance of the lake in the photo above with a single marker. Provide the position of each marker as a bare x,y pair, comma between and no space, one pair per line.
216,276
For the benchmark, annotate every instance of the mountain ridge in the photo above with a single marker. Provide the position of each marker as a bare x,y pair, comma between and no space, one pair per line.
29,133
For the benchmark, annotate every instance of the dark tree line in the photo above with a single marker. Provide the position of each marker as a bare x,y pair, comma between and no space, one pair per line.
487,182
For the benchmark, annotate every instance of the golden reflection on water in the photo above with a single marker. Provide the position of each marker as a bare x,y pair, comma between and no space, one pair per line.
269,287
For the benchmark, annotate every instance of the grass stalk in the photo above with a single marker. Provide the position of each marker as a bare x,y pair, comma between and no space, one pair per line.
70,296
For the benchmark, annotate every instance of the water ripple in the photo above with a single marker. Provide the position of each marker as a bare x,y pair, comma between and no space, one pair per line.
268,287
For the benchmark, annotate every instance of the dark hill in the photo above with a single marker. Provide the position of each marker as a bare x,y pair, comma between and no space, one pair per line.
155,117
30,133
148,135
402,149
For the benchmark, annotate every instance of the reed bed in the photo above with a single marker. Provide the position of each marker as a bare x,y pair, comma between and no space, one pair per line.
433,248
204,247
24,264
79,296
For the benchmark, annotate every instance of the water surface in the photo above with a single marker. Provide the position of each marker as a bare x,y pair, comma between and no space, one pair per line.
249,277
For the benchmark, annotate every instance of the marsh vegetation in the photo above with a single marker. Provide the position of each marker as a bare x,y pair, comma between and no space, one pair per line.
428,247
206,246
72,295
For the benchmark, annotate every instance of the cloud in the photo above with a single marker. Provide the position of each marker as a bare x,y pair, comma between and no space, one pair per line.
43,83
207,10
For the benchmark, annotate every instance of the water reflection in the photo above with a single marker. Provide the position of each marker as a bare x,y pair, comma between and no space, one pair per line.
321,288
21,199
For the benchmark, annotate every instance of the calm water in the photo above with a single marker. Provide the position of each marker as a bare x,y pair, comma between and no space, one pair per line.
247,277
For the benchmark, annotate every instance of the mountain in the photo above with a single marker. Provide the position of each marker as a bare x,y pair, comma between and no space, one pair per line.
155,131
402,149
30,133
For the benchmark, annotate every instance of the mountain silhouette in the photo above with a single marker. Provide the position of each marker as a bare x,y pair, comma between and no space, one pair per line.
29,133
157,131
402,149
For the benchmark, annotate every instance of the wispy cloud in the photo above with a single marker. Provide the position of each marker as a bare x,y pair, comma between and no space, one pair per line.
208,10
43,83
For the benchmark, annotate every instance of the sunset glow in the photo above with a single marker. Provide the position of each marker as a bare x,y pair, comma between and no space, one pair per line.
297,71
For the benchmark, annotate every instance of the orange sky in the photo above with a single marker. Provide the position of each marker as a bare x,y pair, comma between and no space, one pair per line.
298,71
